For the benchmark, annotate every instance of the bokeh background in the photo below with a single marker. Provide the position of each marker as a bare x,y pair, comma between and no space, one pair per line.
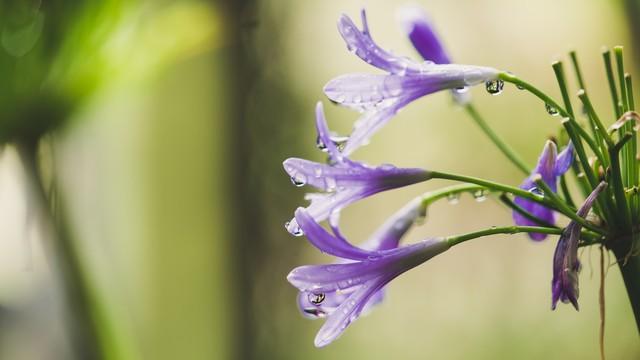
170,166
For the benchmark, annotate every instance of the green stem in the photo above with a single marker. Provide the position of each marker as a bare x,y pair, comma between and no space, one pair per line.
576,68
561,206
558,69
83,321
509,203
606,55
506,150
457,239
544,200
432,196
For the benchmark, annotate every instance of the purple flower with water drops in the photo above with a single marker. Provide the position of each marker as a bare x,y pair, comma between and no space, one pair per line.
344,181
381,96
343,291
551,165
566,266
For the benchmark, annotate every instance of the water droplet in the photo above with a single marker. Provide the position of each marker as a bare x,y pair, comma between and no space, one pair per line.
330,184
520,87
494,87
536,190
316,299
339,141
293,228
480,195
320,144
461,90
453,198
298,180
551,110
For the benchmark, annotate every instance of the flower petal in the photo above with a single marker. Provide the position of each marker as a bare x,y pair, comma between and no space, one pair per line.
327,243
422,34
349,311
361,43
389,234
324,137
332,277
566,266
564,160
546,167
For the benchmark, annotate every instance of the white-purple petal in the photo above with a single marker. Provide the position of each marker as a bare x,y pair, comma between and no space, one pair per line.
546,168
566,266
349,311
422,34
565,159
326,242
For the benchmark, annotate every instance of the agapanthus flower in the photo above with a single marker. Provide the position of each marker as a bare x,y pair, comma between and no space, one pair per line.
343,291
425,40
566,266
381,96
550,166
343,181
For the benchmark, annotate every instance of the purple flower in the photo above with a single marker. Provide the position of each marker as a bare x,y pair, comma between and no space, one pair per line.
550,166
566,266
418,28
381,96
344,181
343,291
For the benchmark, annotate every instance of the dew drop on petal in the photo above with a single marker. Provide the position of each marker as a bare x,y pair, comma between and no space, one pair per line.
293,228
461,90
330,184
494,87
551,110
298,180
316,298
320,144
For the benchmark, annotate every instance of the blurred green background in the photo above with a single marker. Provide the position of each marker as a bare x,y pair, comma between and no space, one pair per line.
169,161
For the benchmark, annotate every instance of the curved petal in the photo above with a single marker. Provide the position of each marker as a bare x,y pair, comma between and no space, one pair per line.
566,266
327,243
349,311
361,43
389,234
564,160
332,277
420,31
324,137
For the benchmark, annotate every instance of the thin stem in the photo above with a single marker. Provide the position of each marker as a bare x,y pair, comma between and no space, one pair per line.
632,148
506,150
549,101
576,68
601,129
620,67
616,177
544,200
504,198
457,239
557,203
558,69
84,321
432,196
606,56
565,192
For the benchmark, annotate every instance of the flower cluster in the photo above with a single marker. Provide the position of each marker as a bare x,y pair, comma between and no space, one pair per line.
353,283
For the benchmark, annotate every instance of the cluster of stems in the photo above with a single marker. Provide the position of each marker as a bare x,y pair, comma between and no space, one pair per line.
602,154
